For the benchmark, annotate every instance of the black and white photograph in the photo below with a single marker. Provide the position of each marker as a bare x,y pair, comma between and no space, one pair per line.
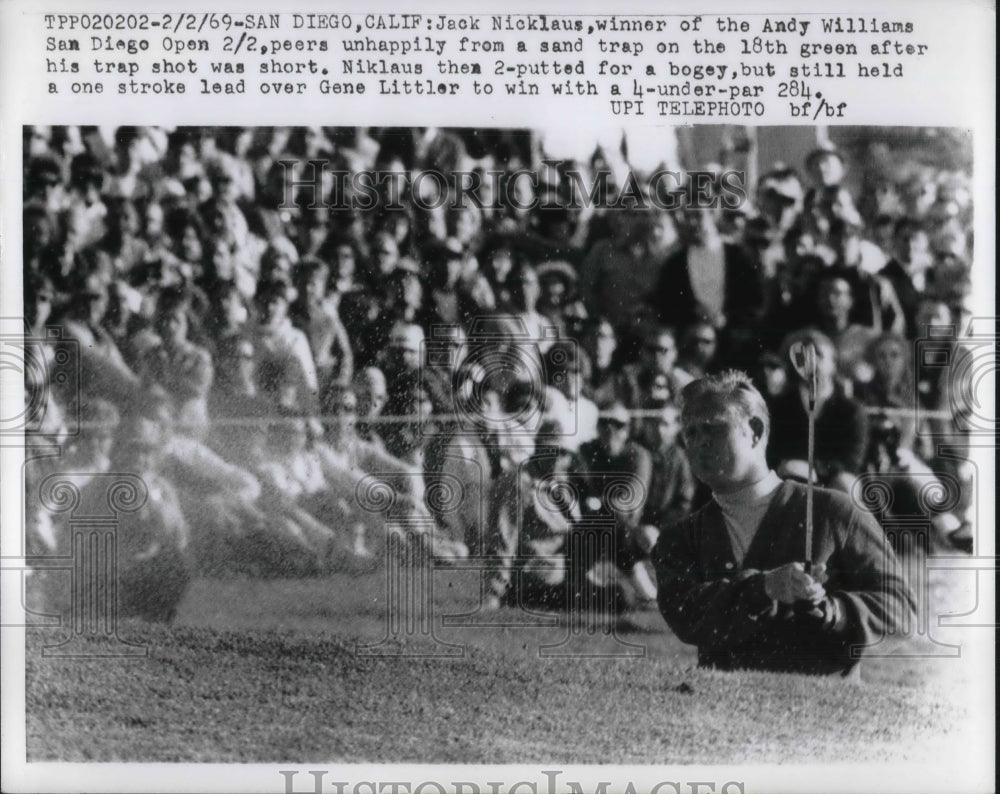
378,421
500,457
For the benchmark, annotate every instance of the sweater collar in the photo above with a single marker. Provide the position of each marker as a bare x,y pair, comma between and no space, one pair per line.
751,494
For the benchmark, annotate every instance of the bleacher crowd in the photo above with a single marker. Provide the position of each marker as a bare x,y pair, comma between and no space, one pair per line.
294,382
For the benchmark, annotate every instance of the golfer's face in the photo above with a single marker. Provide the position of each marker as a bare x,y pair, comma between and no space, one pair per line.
719,443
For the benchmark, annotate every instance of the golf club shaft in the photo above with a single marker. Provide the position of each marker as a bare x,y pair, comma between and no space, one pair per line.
809,483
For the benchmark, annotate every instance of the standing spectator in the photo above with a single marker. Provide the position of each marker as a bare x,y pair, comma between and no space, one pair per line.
907,271
709,278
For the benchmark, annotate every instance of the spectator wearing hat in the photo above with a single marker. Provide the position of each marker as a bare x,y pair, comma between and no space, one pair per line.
672,485
614,474
283,359
558,302
103,371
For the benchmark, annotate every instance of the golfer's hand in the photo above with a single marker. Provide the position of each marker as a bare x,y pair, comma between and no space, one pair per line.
790,583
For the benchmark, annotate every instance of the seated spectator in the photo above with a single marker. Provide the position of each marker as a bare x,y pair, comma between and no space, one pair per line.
875,304
103,371
527,531
564,376
558,302
316,314
282,351
371,391
599,343
671,486
614,474
154,562
699,344
178,367
294,480
658,358
892,384
525,294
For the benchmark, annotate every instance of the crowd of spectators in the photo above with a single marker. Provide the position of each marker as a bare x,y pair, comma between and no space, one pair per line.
483,375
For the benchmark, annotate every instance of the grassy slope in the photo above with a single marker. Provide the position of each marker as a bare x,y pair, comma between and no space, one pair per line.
268,671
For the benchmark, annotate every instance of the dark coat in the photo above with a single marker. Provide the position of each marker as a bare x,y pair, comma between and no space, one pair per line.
723,609
841,433
674,303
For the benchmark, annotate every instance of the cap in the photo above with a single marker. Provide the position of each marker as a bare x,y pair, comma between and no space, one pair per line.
615,413
787,187
45,169
826,150
275,286
557,269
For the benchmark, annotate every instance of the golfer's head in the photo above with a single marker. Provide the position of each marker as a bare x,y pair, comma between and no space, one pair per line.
724,426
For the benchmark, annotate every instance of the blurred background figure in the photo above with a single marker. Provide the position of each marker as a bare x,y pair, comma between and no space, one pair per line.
290,353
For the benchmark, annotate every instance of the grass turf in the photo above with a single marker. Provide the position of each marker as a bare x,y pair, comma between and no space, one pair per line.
268,670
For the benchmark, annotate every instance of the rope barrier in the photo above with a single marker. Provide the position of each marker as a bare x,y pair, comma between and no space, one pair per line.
470,421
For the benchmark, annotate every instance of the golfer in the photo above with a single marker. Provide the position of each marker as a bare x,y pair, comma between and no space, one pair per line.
736,579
